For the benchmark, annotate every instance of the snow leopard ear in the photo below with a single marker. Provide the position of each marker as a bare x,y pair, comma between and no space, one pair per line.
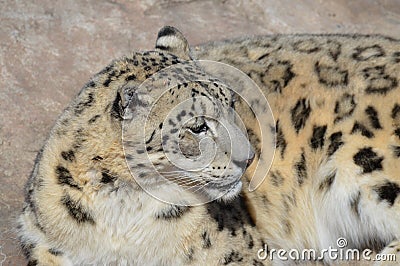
171,40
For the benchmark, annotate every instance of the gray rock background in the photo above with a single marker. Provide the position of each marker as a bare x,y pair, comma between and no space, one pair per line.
49,49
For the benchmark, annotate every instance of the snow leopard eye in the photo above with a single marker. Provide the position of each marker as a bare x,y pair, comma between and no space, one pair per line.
198,126
197,129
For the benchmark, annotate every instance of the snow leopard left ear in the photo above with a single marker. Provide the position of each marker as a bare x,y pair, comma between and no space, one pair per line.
171,40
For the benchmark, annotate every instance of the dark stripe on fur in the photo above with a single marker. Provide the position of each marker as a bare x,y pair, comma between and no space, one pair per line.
299,114
65,177
373,117
301,169
327,182
76,210
362,129
68,155
107,178
368,160
335,142
280,139
172,212
388,192
206,239
318,137
55,252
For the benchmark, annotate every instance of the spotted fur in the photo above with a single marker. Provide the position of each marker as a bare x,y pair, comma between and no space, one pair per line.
338,133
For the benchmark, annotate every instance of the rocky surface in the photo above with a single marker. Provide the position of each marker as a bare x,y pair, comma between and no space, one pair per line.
49,49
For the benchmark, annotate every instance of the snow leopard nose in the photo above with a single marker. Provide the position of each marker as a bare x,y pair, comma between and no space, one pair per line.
250,160
245,163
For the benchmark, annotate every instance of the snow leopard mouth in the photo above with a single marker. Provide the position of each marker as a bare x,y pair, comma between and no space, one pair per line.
225,192
224,187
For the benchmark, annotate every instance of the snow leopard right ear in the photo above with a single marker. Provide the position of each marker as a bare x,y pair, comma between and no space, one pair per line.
171,40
